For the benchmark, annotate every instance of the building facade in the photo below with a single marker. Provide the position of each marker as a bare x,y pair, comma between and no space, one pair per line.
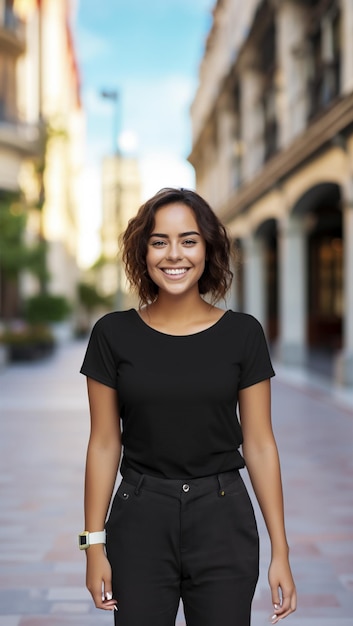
272,148
50,96
42,137
19,140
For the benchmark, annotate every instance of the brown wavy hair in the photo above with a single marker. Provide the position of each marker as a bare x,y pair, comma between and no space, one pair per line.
217,276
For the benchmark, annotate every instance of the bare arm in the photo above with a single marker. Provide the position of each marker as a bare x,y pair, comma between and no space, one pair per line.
262,461
103,457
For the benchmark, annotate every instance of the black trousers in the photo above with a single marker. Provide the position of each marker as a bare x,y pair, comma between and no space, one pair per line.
194,539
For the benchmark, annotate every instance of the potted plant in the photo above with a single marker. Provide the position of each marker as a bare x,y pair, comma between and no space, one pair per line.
90,300
51,309
26,342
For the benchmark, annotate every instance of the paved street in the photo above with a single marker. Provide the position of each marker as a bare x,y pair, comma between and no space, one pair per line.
43,436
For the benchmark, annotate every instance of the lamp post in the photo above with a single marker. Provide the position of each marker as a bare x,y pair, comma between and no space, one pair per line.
113,96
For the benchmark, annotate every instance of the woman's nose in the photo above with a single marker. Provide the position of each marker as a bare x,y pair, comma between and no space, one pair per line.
174,253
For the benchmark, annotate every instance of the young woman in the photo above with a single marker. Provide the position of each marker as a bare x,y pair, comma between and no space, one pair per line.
181,524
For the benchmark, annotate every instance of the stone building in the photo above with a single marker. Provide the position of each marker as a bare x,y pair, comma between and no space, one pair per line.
121,197
272,148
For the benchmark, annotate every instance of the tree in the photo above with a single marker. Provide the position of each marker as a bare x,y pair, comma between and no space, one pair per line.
16,255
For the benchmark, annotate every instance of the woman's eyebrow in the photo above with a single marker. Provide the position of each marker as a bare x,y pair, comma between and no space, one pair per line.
187,234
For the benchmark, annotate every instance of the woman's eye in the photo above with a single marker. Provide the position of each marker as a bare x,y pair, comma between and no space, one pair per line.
158,244
189,242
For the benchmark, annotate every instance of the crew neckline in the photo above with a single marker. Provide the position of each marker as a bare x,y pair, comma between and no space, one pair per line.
199,332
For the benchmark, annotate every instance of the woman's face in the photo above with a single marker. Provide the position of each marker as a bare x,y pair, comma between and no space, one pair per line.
176,250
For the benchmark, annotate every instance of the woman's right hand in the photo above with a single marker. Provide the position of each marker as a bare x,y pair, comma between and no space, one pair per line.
99,578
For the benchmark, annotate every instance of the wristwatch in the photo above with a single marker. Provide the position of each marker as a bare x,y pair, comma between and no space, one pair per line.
86,539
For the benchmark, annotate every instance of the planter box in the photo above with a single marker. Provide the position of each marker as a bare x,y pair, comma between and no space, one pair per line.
30,351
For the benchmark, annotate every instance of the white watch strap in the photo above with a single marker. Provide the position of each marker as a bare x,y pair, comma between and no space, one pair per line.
97,537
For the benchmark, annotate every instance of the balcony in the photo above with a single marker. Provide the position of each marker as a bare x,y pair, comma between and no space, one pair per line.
23,138
12,33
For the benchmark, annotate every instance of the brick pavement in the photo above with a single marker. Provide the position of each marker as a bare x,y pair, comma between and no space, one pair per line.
43,436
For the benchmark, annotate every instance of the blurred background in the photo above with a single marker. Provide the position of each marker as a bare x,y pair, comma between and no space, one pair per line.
102,104
250,103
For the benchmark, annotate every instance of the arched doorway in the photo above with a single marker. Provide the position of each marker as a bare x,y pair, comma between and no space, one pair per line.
321,209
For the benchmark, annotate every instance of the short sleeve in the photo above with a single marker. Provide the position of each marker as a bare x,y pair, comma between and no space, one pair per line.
256,364
99,362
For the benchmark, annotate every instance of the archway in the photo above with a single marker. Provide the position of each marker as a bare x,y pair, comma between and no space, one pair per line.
321,210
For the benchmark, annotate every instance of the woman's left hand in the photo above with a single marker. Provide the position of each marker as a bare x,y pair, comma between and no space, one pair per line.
284,596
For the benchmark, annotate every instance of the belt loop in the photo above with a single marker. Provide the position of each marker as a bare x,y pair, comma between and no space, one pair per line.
221,491
138,486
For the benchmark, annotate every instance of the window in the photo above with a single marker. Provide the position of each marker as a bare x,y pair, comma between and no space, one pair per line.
325,56
267,50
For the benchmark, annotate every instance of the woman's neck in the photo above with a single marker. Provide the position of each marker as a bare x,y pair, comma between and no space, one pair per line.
178,314
178,306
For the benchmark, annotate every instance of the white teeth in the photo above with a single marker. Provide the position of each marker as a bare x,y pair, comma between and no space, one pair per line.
175,271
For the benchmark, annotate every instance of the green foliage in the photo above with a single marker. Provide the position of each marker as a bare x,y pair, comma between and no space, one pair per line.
46,308
15,254
99,263
90,298
37,260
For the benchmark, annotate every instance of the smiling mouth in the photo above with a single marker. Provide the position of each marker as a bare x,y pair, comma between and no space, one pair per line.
175,271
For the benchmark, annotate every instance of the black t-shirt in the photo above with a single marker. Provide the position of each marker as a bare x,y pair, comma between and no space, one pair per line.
178,394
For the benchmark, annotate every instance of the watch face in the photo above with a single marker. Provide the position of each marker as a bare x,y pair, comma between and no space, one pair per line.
83,542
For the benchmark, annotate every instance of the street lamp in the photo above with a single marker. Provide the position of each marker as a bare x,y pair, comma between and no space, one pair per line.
113,96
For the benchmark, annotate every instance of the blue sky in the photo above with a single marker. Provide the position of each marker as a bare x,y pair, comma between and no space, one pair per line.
149,51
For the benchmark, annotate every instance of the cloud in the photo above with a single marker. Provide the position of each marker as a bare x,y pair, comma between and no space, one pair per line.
128,142
89,45
158,111
89,216
164,169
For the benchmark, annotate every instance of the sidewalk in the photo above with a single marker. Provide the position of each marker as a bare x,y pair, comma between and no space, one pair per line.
311,383
43,437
